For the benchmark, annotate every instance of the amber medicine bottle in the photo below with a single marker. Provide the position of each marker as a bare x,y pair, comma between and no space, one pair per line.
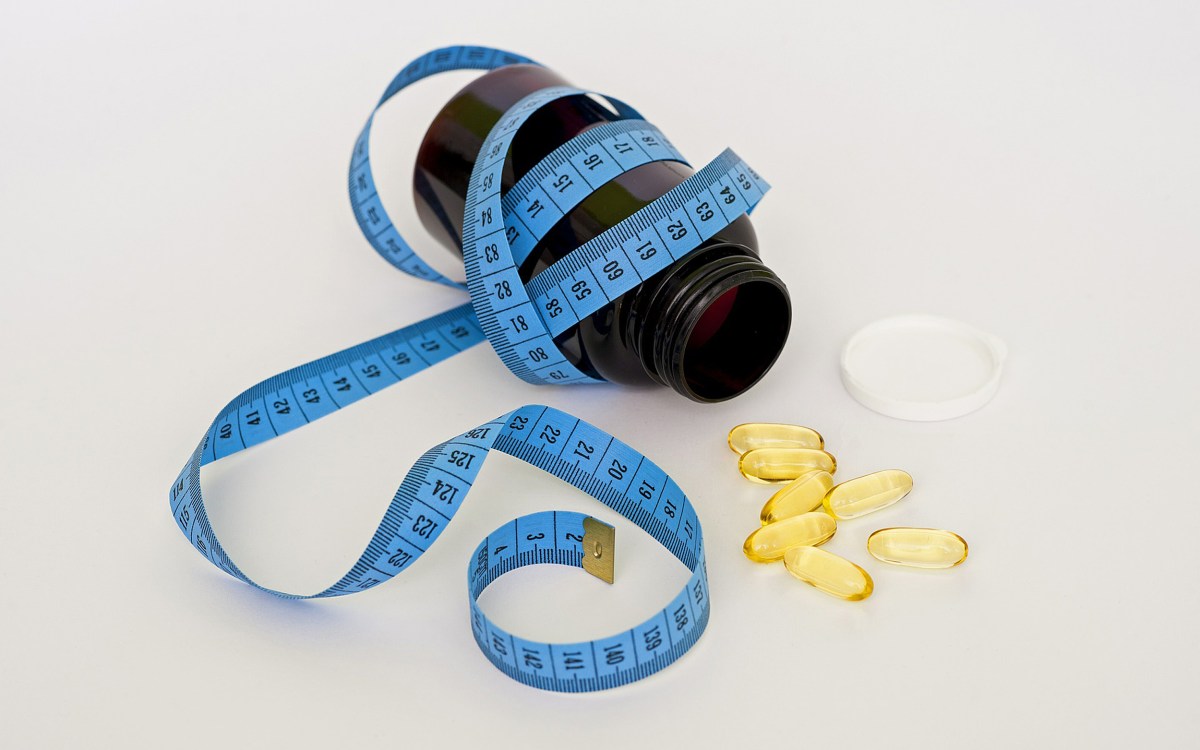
709,326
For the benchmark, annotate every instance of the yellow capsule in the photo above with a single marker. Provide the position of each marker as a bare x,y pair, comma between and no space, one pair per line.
858,497
775,465
829,573
747,437
799,496
918,548
768,543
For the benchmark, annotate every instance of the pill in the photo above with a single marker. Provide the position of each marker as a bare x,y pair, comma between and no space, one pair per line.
829,573
918,548
747,437
798,496
863,495
775,465
768,543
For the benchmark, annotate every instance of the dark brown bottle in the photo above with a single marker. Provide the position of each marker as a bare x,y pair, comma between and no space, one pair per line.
709,326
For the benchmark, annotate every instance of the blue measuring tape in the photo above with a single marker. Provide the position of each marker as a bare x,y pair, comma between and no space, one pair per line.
520,320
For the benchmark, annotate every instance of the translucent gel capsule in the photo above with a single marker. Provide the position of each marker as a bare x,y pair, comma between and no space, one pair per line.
826,571
798,496
747,437
858,497
767,544
775,465
918,548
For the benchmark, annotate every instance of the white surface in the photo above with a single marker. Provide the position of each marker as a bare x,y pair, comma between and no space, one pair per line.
175,227
922,367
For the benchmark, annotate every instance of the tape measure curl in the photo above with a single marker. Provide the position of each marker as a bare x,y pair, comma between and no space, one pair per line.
434,490
520,320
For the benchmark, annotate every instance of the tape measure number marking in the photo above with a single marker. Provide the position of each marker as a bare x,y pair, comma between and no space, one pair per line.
572,172
566,539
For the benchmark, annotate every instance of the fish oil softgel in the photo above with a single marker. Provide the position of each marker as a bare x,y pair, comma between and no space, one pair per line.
798,496
805,512
918,548
753,435
775,465
867,494
768,543
826,571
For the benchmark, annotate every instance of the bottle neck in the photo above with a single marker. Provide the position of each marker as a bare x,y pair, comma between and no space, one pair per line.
713,326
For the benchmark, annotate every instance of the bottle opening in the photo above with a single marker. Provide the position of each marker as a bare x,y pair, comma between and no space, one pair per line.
735,340
711,320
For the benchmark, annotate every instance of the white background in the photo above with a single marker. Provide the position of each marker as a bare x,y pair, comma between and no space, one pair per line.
174,227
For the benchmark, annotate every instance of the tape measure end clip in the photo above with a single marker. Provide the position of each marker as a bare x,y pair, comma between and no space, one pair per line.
599,548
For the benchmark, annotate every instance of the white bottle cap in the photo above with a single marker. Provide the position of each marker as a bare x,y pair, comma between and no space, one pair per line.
923,368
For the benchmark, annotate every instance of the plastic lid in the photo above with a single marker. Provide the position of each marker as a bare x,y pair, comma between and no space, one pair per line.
922,368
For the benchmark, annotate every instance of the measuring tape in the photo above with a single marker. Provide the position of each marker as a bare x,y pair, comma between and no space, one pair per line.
520,320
